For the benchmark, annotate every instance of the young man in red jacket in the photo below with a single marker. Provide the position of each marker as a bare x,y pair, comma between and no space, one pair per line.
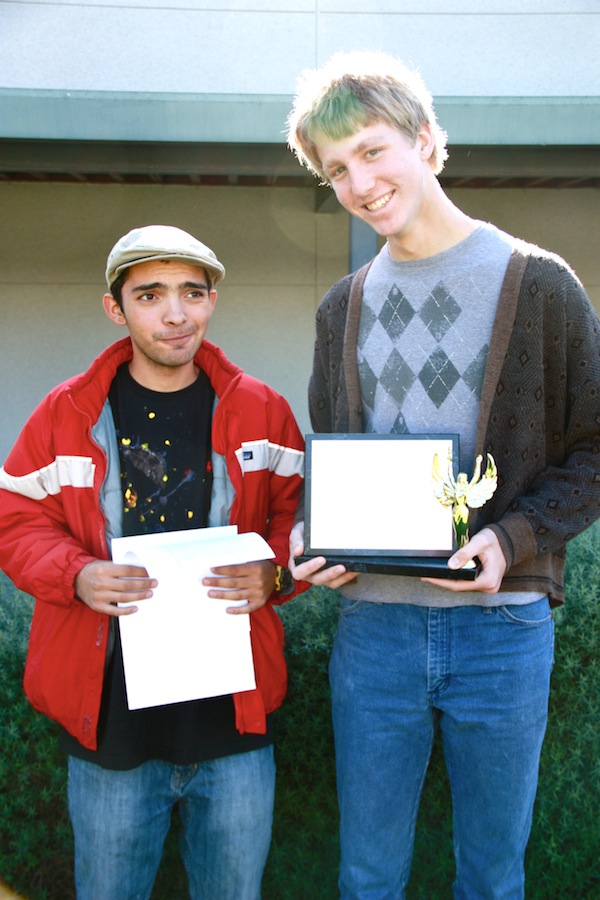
161,433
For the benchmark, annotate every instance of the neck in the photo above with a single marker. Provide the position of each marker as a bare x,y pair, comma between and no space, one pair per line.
164,379
440,226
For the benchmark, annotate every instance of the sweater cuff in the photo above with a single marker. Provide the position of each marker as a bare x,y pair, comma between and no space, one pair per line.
516,539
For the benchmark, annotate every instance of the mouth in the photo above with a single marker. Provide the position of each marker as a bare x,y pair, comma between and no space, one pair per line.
176,338
379,203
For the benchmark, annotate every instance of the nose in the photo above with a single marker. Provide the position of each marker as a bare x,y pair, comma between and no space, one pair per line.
361,180
175,311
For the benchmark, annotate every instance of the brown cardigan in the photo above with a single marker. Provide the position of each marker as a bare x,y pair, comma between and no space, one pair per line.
539,414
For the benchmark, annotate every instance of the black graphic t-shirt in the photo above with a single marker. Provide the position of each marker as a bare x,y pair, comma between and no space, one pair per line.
164,447
166,478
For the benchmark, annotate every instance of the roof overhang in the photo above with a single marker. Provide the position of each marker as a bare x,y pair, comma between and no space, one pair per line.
251,118
239,139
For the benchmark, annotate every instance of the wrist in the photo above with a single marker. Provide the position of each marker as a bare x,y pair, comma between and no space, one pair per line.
284,581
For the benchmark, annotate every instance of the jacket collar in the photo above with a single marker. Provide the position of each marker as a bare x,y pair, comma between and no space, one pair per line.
90,388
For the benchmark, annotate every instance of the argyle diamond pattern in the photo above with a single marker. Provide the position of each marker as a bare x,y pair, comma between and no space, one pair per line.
412,352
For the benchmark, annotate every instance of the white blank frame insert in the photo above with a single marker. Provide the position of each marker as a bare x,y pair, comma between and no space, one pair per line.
370,503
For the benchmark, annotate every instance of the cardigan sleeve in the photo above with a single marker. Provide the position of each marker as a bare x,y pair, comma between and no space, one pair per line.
547,409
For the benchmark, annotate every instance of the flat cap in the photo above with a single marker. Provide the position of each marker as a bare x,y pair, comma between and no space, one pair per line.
161,242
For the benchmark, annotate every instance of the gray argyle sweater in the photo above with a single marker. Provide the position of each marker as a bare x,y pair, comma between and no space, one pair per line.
539,412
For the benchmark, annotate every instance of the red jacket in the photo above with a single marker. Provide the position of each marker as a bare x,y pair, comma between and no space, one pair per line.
53,522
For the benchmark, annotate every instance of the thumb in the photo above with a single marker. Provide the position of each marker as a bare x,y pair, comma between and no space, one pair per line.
462,556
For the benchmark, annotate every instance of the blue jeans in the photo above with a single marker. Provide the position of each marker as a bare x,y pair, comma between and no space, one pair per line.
482,676
121,819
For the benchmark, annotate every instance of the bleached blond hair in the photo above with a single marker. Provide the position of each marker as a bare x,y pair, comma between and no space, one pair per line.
353,90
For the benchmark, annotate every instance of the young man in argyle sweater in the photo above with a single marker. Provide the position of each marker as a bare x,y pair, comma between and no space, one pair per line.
454,327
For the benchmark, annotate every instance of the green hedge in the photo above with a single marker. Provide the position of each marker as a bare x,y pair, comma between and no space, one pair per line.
562,860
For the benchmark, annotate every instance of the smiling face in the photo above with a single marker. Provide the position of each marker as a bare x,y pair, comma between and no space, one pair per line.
379,176
166,306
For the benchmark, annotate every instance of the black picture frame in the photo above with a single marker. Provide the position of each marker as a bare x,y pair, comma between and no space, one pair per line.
370,504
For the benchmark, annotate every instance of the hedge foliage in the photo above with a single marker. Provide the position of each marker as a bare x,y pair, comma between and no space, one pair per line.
562,860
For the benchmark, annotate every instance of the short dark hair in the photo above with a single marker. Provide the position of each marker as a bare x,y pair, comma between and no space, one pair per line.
116,287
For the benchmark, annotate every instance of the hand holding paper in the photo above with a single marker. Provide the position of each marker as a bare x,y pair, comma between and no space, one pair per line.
112,589
250,583
181,644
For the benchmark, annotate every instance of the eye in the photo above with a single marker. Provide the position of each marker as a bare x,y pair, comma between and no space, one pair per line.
335,173
373,152
147,297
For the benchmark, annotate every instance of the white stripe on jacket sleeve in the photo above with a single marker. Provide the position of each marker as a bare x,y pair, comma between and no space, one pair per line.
71,471
254,456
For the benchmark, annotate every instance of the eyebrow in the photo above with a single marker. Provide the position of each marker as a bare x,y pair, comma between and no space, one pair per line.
154,285
360,147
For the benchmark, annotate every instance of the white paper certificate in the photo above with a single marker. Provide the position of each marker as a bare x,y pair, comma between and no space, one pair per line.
181,644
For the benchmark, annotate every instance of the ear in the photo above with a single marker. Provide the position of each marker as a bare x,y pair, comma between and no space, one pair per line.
213,300
113,310
425,141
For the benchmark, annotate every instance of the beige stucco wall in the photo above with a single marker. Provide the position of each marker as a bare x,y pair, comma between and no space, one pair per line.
280,257
564,221
54,240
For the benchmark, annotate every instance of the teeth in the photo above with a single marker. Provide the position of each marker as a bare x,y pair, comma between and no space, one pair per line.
378,203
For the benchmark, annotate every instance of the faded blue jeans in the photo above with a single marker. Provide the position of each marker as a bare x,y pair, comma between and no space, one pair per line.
121,819
482,675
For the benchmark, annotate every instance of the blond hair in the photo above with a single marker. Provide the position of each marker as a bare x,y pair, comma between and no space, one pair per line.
354,90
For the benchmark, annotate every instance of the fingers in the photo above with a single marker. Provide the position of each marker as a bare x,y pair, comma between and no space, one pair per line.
250,584
296,547
297,539
315,571
453,584
102,585
486,547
